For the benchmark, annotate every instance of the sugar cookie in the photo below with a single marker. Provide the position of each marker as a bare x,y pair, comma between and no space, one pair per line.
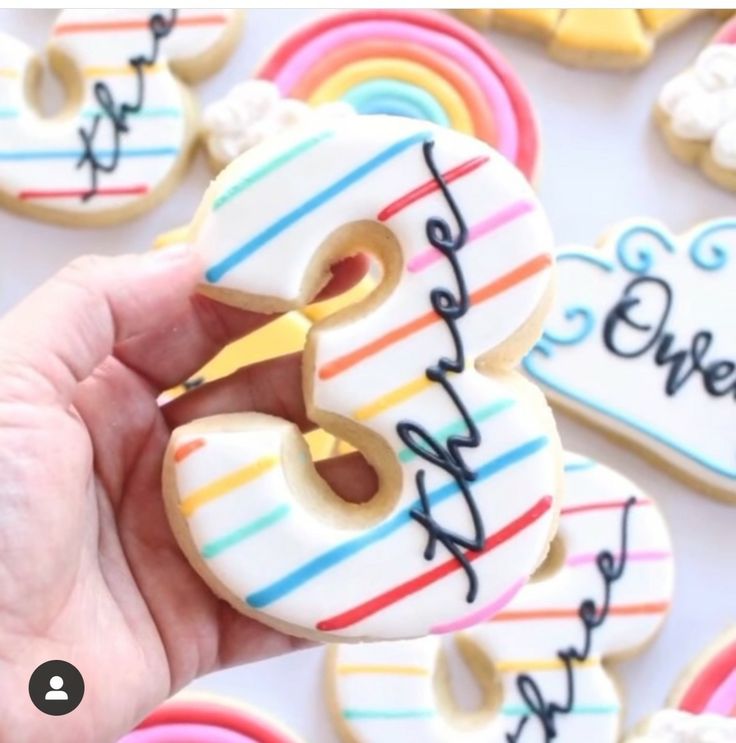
675,726
423,65
696,110
603,593
642,344
605,38
467,505
124,137
205,718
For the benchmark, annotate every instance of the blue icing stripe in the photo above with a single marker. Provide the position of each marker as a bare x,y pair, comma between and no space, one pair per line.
519,710
387,714
364,97
580,465
392,107
340,552
77,154
216,272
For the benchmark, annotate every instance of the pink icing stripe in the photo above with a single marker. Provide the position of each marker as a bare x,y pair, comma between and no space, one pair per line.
185,733
724,697
496,95
499,219
727,34
634,556
481,615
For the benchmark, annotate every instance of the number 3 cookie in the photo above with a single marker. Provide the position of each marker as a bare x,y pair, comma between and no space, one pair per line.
643,343
603,593
124,137
417,376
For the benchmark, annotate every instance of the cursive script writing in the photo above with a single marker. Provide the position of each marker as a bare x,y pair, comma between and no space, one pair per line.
719,376
450,306
114,117
592,618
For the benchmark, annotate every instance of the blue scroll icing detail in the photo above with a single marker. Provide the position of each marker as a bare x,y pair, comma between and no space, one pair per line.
640,258
583,317
708,254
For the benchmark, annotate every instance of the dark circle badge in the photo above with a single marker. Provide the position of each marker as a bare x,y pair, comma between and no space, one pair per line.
56,687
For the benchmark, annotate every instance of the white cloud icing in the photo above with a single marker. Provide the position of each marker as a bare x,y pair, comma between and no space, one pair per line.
701,102
254,110
674,726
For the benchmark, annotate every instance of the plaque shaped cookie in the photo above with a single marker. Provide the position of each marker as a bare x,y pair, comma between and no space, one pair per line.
642,343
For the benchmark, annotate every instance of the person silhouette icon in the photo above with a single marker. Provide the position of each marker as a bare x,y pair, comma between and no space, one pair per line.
56,693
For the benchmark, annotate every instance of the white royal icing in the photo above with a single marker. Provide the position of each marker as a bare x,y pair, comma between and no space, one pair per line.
649,388
385,692
701,102
254,110
675,726
300,568
40,157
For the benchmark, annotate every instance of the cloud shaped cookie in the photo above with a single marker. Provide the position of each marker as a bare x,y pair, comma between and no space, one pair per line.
643,344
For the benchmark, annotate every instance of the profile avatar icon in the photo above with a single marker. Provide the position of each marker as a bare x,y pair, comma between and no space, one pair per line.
56,693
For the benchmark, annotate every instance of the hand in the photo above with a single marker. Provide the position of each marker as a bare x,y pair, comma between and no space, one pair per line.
89,570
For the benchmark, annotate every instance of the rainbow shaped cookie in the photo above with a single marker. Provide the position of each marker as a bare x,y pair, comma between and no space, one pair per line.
422,65
696,110
605,38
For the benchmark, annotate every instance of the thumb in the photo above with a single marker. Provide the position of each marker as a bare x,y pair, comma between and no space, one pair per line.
59,334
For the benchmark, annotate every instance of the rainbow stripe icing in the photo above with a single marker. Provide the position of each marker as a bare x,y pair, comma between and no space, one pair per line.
127,130
207,719
710,688
451,535
387,692
422,65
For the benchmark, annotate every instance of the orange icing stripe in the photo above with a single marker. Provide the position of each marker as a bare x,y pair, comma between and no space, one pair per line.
134,24
464,83
623,610
189,448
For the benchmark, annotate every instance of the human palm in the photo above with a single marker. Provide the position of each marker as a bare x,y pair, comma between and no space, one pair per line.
89,570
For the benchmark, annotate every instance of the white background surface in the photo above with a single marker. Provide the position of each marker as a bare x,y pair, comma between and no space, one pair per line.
602,161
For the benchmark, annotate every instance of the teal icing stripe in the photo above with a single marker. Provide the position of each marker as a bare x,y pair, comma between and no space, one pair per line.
387,714
406,455
362,97
252,178
213,549
237,256
162,112
8,113
579,466
518,710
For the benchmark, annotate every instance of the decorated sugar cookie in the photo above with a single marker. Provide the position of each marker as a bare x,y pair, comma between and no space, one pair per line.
422,65
696,110
124,137
418,376
642,343
540,662
204,718
606,38
703,704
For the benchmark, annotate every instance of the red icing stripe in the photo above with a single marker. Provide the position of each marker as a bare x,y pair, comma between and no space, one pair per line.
431,186
67,193
600,506
525,120
392,596
219,715
719,667
135,24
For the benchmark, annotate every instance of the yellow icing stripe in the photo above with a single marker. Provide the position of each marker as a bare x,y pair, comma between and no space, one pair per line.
122,70
396,396
172,237
384,668
7,72
336,86
225,484
554,664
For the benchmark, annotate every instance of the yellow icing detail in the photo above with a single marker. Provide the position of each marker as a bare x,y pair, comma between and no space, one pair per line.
321,444
7,72
381,668
549,664
321,310
615,31
396,396
334,87
172,237
539,22
661,20
122,70
344,448
226,484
